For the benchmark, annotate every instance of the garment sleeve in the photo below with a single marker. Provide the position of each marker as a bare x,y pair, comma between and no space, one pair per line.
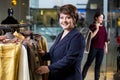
46,56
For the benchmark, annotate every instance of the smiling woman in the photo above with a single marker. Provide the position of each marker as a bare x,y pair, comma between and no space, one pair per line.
67,52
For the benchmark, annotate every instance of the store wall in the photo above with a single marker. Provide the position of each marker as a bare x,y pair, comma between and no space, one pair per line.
42,17
92,7
52,3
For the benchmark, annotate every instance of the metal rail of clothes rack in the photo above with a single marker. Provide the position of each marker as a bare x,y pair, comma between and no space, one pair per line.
12,27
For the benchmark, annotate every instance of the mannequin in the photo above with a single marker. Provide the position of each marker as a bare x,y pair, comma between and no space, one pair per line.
10,19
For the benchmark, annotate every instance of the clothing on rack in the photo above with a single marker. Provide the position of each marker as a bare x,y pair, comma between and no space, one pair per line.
9,61
42,44
23,65
34,61
36,41
28,59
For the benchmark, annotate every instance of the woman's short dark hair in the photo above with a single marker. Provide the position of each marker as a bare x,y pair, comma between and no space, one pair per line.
69,9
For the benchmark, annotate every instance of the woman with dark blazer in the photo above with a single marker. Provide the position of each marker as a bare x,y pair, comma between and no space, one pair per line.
67,52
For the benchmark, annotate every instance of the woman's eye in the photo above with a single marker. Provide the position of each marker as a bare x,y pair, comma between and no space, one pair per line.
68,17
65,17
61,17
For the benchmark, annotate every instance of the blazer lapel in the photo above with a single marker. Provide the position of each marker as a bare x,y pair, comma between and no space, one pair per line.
57,40
66,38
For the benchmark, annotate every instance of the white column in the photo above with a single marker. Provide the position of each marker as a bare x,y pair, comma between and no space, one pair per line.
105,10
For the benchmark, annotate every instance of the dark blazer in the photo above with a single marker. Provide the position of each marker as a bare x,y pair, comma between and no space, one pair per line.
66,56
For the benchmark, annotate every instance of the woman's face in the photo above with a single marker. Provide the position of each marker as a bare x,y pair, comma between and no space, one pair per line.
66,21
100,19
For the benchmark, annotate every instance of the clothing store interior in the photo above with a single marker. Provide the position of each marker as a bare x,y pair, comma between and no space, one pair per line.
29,25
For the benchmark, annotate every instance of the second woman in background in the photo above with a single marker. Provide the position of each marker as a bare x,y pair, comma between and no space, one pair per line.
98,45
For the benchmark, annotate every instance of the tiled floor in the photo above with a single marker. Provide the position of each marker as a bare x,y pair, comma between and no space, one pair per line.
108,76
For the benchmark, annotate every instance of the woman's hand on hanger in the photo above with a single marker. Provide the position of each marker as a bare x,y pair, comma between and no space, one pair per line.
41,52
42,70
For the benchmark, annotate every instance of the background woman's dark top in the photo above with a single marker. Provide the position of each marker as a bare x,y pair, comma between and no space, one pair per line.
101,37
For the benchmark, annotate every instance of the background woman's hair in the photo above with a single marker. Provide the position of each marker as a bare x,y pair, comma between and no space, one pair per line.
97,14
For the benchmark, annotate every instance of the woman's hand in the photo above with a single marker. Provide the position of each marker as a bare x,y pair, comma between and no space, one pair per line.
41,52
42,70
106,48
97,29
97,26
106,51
